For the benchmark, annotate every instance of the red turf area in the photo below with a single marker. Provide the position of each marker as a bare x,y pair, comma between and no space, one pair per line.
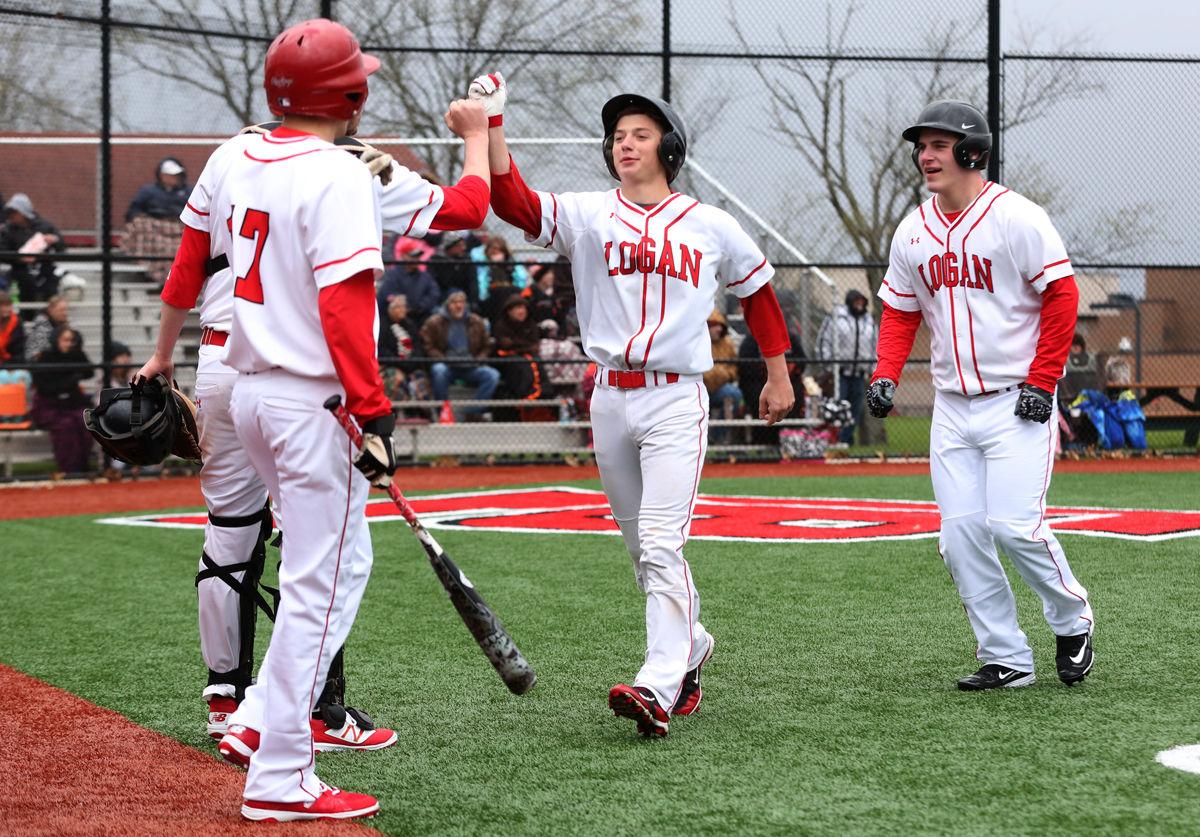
49,500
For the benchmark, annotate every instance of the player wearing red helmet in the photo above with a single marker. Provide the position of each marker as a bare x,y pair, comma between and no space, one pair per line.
292,321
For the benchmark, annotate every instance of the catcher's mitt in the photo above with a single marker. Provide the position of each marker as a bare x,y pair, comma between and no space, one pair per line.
187,434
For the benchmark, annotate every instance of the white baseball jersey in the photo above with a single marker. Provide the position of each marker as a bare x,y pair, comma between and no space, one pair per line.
977,282
325,230
405,206
645,279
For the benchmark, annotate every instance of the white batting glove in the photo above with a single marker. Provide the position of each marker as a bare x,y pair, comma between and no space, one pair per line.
379,163
490,89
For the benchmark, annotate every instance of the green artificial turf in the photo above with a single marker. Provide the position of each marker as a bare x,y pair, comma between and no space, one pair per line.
829,706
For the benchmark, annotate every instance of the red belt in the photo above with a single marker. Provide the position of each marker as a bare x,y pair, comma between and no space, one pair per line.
637,380
212,337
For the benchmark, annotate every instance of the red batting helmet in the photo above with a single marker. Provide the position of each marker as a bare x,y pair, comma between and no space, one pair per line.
316,68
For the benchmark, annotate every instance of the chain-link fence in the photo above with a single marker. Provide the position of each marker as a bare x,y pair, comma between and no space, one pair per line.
794,115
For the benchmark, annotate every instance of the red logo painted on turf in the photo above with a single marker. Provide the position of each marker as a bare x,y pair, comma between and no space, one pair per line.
565,510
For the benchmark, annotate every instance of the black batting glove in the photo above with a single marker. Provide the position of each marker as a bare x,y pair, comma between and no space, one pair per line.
377,458
879,397
1034,404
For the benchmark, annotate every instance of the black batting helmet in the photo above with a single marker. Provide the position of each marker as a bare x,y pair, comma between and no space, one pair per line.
968,121
137,423
671,151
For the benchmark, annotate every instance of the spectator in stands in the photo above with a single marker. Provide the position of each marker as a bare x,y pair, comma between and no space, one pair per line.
410,278
26,232
452,268
545,302
1083,371
458,344
516,336
498,276
165,197
400,341
40,335
118,375
752,377
60,400
724,395
561,375
120,365
12,343
846,341
1118,369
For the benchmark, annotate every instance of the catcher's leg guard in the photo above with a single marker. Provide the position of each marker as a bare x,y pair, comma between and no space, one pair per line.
331,705
249,599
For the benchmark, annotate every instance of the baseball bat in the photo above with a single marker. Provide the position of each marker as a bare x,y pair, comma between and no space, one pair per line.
493,640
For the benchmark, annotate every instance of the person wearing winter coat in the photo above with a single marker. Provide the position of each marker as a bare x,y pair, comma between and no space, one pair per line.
152,225
60,400
846,341
25,231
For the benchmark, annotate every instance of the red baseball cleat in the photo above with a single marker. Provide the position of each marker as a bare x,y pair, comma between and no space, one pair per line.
639,704
220,708
332,804
351,735
690,694
238,745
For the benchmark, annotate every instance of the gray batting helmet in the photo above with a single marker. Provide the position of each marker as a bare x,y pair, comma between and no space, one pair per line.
967,121
671,151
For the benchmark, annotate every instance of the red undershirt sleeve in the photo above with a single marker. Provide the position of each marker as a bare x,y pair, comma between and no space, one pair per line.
186,278
897,333
464,205
515,202
1060,308
347,311
765,320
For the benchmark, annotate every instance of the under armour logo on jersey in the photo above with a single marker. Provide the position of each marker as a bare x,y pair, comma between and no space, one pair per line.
916,240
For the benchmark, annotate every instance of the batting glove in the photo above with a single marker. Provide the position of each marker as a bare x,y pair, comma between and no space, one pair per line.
379,163
493,92
1034,404
377,458
879,397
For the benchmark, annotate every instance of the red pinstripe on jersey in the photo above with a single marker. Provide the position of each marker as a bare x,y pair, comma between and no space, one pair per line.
896,292
921,209
967,297
666,242
761,265
250,156
413,219
346,259
1047,267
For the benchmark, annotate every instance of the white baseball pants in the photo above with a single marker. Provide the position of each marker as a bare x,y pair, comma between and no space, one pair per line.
650,445
231,488
306,462
991,471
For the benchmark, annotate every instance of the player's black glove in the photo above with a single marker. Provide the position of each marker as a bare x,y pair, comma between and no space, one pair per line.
879,397
377,458
1034,404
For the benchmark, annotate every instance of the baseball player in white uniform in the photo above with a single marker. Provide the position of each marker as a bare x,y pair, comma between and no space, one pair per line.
647,265
300,225
986,271
239,520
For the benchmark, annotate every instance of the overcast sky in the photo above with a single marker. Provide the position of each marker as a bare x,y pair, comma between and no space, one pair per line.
1156,27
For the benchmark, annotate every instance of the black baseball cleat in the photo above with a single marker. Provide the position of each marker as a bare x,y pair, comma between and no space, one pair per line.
639,704
689,693
1074,657
994,676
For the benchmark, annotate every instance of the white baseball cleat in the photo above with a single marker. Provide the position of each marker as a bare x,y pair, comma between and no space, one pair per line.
220,707
332,804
